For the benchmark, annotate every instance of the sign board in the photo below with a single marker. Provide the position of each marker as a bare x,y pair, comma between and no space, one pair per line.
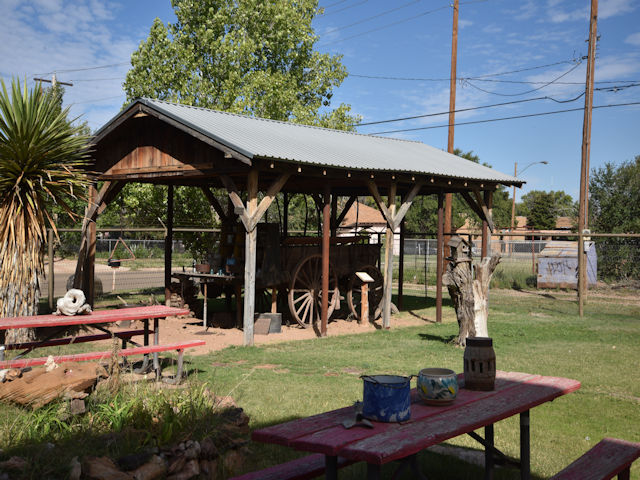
364,277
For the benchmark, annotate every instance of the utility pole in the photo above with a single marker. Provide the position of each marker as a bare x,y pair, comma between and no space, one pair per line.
583,216
54,81
448,198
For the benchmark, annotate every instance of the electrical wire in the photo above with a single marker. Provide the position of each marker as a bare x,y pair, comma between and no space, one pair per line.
386,12
507,118
85,68
343,9
388,25
513,102
467,82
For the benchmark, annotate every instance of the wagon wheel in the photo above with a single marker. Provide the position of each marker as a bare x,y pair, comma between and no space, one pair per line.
305,291
376,288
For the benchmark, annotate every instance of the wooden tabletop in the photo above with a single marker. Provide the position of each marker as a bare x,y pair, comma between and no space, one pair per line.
429,425
97,316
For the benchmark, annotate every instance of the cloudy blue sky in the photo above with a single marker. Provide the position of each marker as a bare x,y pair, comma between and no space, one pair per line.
89,43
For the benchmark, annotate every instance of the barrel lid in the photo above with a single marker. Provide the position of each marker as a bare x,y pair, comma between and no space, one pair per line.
479,342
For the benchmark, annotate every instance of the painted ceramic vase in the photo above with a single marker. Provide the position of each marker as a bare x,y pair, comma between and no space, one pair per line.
437,386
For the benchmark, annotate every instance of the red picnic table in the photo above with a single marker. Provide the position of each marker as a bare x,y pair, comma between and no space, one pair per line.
514,393
98,319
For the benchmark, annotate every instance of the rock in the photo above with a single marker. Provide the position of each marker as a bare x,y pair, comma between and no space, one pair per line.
209,469
103,468
233,460
208,449
133,461
10,374
154,468
176,465
77,407
192,450
75,470
14,463
190,470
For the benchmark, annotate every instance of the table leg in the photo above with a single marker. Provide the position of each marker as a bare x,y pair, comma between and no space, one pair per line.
331,467
525,447
374,472
204,310
488,452
145,358
156,341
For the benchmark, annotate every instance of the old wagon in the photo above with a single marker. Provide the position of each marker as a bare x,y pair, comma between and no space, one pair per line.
293,266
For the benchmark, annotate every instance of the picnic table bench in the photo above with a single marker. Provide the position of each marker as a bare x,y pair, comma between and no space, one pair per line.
99,319
515,394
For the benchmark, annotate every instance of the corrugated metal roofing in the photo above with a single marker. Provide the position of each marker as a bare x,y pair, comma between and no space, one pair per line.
270,139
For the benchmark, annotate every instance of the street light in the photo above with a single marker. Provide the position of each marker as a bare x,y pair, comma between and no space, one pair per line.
515,174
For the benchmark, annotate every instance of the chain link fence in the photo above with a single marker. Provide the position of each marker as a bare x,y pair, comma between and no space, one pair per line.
140,253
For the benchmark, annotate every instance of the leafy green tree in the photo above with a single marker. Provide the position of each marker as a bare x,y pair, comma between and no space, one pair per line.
42,156
423,214
543,208
614,207
242,56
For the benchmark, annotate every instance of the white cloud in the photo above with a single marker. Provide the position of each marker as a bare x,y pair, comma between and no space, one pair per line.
465,23
526,11
611,8
633,39
492,28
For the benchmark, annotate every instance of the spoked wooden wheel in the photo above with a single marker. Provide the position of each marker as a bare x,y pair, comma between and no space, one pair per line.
305,291
376,288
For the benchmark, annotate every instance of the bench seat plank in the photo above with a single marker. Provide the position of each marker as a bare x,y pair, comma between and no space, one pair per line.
411,438
82,357
99,316
79,339
607,459
304,468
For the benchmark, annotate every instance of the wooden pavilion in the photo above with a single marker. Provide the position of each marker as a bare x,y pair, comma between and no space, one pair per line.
165,143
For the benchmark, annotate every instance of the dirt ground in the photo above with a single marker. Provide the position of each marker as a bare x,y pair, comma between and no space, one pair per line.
182,329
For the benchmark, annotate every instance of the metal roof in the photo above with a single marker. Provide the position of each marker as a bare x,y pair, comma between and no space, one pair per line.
270,139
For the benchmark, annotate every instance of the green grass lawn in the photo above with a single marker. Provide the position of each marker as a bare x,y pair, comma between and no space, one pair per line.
536,333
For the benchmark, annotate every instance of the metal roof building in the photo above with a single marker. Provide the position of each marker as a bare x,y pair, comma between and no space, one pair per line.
170,144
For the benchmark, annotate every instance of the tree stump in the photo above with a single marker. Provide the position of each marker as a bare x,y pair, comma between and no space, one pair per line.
469,294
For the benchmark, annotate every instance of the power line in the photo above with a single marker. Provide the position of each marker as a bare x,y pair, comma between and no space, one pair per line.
98,99
507,118
467,82
386,12
335,3
513,102
343,9
85,68
388,25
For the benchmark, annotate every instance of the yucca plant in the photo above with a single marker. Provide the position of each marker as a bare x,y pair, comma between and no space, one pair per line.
42,155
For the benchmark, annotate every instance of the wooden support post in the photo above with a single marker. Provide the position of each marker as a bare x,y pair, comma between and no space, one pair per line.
401,266
168,244
274,300
439,261
51,269
89,269
388,258
285,215
250,259
486,235
326,233
334,215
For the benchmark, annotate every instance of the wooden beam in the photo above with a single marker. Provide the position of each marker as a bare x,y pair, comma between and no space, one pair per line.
168,250
250,259
270,195
213,201
239,207
345,210
401,267
373,188
485,209
439,258
388,258
406,203
486,236
326,233
472,203
334,213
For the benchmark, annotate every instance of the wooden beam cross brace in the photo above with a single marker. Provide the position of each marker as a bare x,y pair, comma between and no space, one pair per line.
250,221
346,208
214,203
394,220
479,206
